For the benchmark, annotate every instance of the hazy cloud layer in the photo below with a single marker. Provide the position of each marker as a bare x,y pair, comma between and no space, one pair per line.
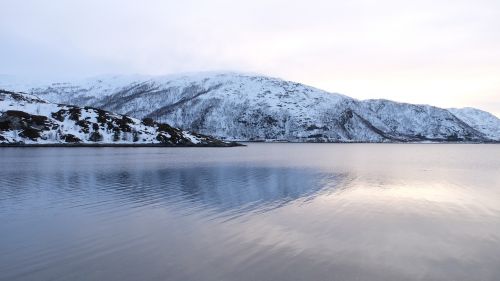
445,53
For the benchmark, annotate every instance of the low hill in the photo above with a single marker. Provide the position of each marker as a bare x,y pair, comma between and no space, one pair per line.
27,119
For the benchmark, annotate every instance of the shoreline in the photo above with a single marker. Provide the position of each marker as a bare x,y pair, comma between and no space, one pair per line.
232,144
119,145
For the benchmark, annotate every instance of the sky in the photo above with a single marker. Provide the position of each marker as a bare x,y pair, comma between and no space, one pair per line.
439,52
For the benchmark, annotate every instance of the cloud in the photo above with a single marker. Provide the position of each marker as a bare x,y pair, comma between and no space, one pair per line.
440,52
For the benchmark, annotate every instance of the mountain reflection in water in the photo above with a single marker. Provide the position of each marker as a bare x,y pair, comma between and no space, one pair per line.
262,212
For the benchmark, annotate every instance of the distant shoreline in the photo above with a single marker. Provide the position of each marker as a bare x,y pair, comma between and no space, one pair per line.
232,144
365,142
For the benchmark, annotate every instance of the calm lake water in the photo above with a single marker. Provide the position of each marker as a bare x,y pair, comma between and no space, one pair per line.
262,212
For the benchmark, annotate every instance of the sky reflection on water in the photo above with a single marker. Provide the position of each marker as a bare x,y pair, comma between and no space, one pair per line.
262,212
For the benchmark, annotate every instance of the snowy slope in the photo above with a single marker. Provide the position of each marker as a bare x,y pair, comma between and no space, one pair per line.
417,122
249,107
28,119
482,121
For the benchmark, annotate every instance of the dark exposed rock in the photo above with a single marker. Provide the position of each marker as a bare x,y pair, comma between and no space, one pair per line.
29,125
148,122
95,136
30,133
84,125
71,138
4,125
75,113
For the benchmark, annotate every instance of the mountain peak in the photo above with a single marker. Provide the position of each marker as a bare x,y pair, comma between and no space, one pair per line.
239,106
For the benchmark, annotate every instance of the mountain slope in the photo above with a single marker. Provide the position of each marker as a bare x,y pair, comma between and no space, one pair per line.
27,119
482,121
417,122
247,107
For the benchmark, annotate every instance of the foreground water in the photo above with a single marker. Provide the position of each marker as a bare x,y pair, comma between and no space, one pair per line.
262,212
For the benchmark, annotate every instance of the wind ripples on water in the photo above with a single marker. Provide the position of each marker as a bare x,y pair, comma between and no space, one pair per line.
347,212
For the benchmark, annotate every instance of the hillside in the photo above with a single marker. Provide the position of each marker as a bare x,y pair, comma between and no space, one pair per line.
27,119
482,121
248,107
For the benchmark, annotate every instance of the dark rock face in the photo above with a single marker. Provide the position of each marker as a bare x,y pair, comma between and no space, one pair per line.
29,126
69,138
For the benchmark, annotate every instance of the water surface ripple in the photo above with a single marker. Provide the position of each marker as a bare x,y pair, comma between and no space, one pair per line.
262,212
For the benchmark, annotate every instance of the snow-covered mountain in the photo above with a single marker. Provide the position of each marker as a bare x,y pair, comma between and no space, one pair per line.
28,119
482,121
251,107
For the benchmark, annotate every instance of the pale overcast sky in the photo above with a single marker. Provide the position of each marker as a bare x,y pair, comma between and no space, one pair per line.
440,52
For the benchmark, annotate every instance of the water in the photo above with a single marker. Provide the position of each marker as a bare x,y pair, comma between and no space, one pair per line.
262,212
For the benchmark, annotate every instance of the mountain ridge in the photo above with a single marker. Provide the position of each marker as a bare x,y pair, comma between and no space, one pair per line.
245,107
